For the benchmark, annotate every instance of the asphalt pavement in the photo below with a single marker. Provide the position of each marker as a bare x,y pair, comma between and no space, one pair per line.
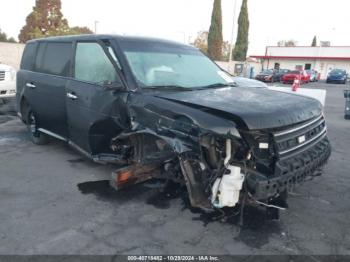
55,201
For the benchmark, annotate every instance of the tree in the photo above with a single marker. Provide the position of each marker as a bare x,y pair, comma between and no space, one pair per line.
314,41
241,47
4,38
77,30
11,40
225,50
46,20
215,37
287,43
201,41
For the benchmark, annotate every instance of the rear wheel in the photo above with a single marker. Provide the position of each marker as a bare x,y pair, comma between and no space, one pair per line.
35,135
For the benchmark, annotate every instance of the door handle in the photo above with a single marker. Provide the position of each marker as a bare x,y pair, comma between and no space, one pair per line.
72,96
31,85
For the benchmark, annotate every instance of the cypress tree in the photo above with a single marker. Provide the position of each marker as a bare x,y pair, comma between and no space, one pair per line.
241,47
215,38
314,41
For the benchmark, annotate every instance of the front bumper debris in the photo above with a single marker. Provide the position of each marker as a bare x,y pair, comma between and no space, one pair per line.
289,172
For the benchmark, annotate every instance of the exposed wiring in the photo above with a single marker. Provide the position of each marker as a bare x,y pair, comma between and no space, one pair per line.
264,204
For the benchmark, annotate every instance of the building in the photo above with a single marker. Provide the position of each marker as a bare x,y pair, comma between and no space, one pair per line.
322,59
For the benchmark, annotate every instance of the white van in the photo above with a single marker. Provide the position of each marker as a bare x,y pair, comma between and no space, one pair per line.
7,81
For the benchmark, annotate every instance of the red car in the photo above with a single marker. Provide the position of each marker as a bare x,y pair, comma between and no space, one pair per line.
292,75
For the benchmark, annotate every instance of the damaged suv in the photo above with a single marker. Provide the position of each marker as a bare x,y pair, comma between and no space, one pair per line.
164,110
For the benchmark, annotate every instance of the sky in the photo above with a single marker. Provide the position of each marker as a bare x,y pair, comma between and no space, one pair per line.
181,20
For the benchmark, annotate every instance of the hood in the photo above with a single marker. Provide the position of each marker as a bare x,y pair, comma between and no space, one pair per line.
253,108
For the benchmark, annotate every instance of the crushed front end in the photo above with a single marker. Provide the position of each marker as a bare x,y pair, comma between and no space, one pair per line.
259,165
292,156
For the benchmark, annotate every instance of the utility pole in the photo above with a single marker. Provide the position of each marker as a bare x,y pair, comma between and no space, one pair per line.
96,22
233,31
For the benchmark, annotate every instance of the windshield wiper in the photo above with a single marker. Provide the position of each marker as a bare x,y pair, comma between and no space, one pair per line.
218,85
168,87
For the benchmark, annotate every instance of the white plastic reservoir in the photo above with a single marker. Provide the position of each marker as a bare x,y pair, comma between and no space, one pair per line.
225,191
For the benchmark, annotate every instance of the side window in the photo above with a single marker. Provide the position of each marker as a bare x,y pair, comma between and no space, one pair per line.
28,57
40,56
53,58
93,65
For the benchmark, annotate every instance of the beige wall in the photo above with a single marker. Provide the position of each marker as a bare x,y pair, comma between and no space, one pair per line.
11,54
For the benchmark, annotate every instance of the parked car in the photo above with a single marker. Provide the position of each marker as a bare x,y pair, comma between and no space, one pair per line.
7,81
247,82
163,109
292,75
313,74
268,75
337,76
281,73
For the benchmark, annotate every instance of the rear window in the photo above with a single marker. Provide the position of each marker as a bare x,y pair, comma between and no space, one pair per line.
28,57
267,72
53,58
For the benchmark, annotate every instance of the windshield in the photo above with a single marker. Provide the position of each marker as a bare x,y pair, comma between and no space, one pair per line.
338,72
160,64
295,72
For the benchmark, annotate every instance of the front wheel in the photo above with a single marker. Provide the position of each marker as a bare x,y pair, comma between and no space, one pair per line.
35,135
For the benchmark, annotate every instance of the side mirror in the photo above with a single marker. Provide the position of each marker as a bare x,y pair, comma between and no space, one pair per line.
109,85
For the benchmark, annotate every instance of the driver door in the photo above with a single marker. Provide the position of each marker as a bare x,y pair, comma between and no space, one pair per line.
90,105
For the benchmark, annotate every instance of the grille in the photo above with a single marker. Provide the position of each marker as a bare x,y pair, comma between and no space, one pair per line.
291,171
2,75
295,139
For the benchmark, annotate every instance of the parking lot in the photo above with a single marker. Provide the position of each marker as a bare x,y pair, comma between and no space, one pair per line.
54,201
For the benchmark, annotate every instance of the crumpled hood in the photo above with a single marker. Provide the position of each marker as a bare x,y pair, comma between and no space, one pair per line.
255,108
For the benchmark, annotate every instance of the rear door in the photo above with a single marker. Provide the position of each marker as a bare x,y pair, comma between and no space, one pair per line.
90,105
47,85
25,75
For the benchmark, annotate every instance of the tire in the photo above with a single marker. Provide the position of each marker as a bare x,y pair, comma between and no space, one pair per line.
37,137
